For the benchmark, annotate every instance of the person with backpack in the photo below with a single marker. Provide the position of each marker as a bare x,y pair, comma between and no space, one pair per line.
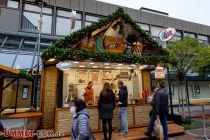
106,105
80,126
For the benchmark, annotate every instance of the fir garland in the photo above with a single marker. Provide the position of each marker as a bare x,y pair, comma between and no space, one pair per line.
61,51
26,75
76,36
84,55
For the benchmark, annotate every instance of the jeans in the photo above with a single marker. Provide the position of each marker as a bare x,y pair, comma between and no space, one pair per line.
163,120
104,123
123,120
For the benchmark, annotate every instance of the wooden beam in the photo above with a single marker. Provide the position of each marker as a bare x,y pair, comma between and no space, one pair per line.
105,27
9,83
8,69
1,90
100,30
2,74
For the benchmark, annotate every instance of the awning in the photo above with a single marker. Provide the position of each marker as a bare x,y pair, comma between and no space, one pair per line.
4,69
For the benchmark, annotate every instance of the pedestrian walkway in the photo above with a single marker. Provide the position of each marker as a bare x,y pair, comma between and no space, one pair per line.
195,134
136,133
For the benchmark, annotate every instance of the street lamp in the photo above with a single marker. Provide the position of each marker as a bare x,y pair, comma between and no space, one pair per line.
41,4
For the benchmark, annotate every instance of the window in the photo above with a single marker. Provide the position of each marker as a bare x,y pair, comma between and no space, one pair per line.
155,31
63,23
177,36
145,27
13,4
189,35
31,15
203,40
89,19
3,2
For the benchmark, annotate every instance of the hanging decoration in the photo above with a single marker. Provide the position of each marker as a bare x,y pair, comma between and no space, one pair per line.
73,19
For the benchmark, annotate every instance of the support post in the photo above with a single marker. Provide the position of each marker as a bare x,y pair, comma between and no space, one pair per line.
16,99
170,93
1,90
188,99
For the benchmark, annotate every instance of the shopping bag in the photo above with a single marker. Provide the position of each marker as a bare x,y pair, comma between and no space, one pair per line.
158,129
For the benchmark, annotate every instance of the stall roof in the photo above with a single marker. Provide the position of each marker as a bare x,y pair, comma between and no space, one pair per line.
4,69
65,50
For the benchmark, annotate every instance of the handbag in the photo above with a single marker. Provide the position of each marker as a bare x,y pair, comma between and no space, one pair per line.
107,106
158,129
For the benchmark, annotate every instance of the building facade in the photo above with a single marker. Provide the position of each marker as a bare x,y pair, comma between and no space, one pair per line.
19,30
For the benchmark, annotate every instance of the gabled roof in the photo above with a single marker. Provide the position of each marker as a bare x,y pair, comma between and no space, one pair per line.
87,30
62,51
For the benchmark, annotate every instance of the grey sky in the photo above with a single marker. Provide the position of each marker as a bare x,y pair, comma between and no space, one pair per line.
197,11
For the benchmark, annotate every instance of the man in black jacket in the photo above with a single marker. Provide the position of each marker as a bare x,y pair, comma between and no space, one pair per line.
160,108
123,102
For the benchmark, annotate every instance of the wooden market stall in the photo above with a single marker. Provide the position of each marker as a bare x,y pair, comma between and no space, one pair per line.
114,48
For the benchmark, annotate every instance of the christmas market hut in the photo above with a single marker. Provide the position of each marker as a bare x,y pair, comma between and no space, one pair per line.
114,48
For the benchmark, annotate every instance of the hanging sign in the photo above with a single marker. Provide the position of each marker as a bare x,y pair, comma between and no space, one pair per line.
167,34
159,73
63,66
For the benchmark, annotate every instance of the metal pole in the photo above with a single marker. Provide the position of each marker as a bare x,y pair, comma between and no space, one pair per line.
38,56
188,99
170,93
169,86
16,99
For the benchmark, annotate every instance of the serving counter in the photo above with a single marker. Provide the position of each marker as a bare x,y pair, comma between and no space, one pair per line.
137,114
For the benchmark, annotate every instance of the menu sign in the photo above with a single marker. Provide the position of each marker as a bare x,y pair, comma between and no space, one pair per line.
107,75
95,76
82,77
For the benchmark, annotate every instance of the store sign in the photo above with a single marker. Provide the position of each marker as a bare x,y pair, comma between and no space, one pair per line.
63,66
159,73
110,44
167,34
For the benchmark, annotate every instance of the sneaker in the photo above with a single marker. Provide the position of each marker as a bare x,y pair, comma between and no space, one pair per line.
123,134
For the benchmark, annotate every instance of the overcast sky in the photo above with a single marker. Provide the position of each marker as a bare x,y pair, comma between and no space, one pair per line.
197,11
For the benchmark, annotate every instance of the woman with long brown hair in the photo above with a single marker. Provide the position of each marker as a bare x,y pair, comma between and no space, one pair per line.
106,105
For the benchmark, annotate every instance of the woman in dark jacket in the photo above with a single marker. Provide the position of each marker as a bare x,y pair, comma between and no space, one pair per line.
106,105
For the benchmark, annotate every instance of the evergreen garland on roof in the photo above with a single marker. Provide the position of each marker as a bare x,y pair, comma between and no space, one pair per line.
87,30
61,51
62,54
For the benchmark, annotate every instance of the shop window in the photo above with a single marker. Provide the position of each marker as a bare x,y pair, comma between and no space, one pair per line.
63,23
189,35
13,4
31,15
203,40
89,19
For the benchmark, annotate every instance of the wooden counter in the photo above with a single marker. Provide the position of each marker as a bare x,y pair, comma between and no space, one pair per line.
137,114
